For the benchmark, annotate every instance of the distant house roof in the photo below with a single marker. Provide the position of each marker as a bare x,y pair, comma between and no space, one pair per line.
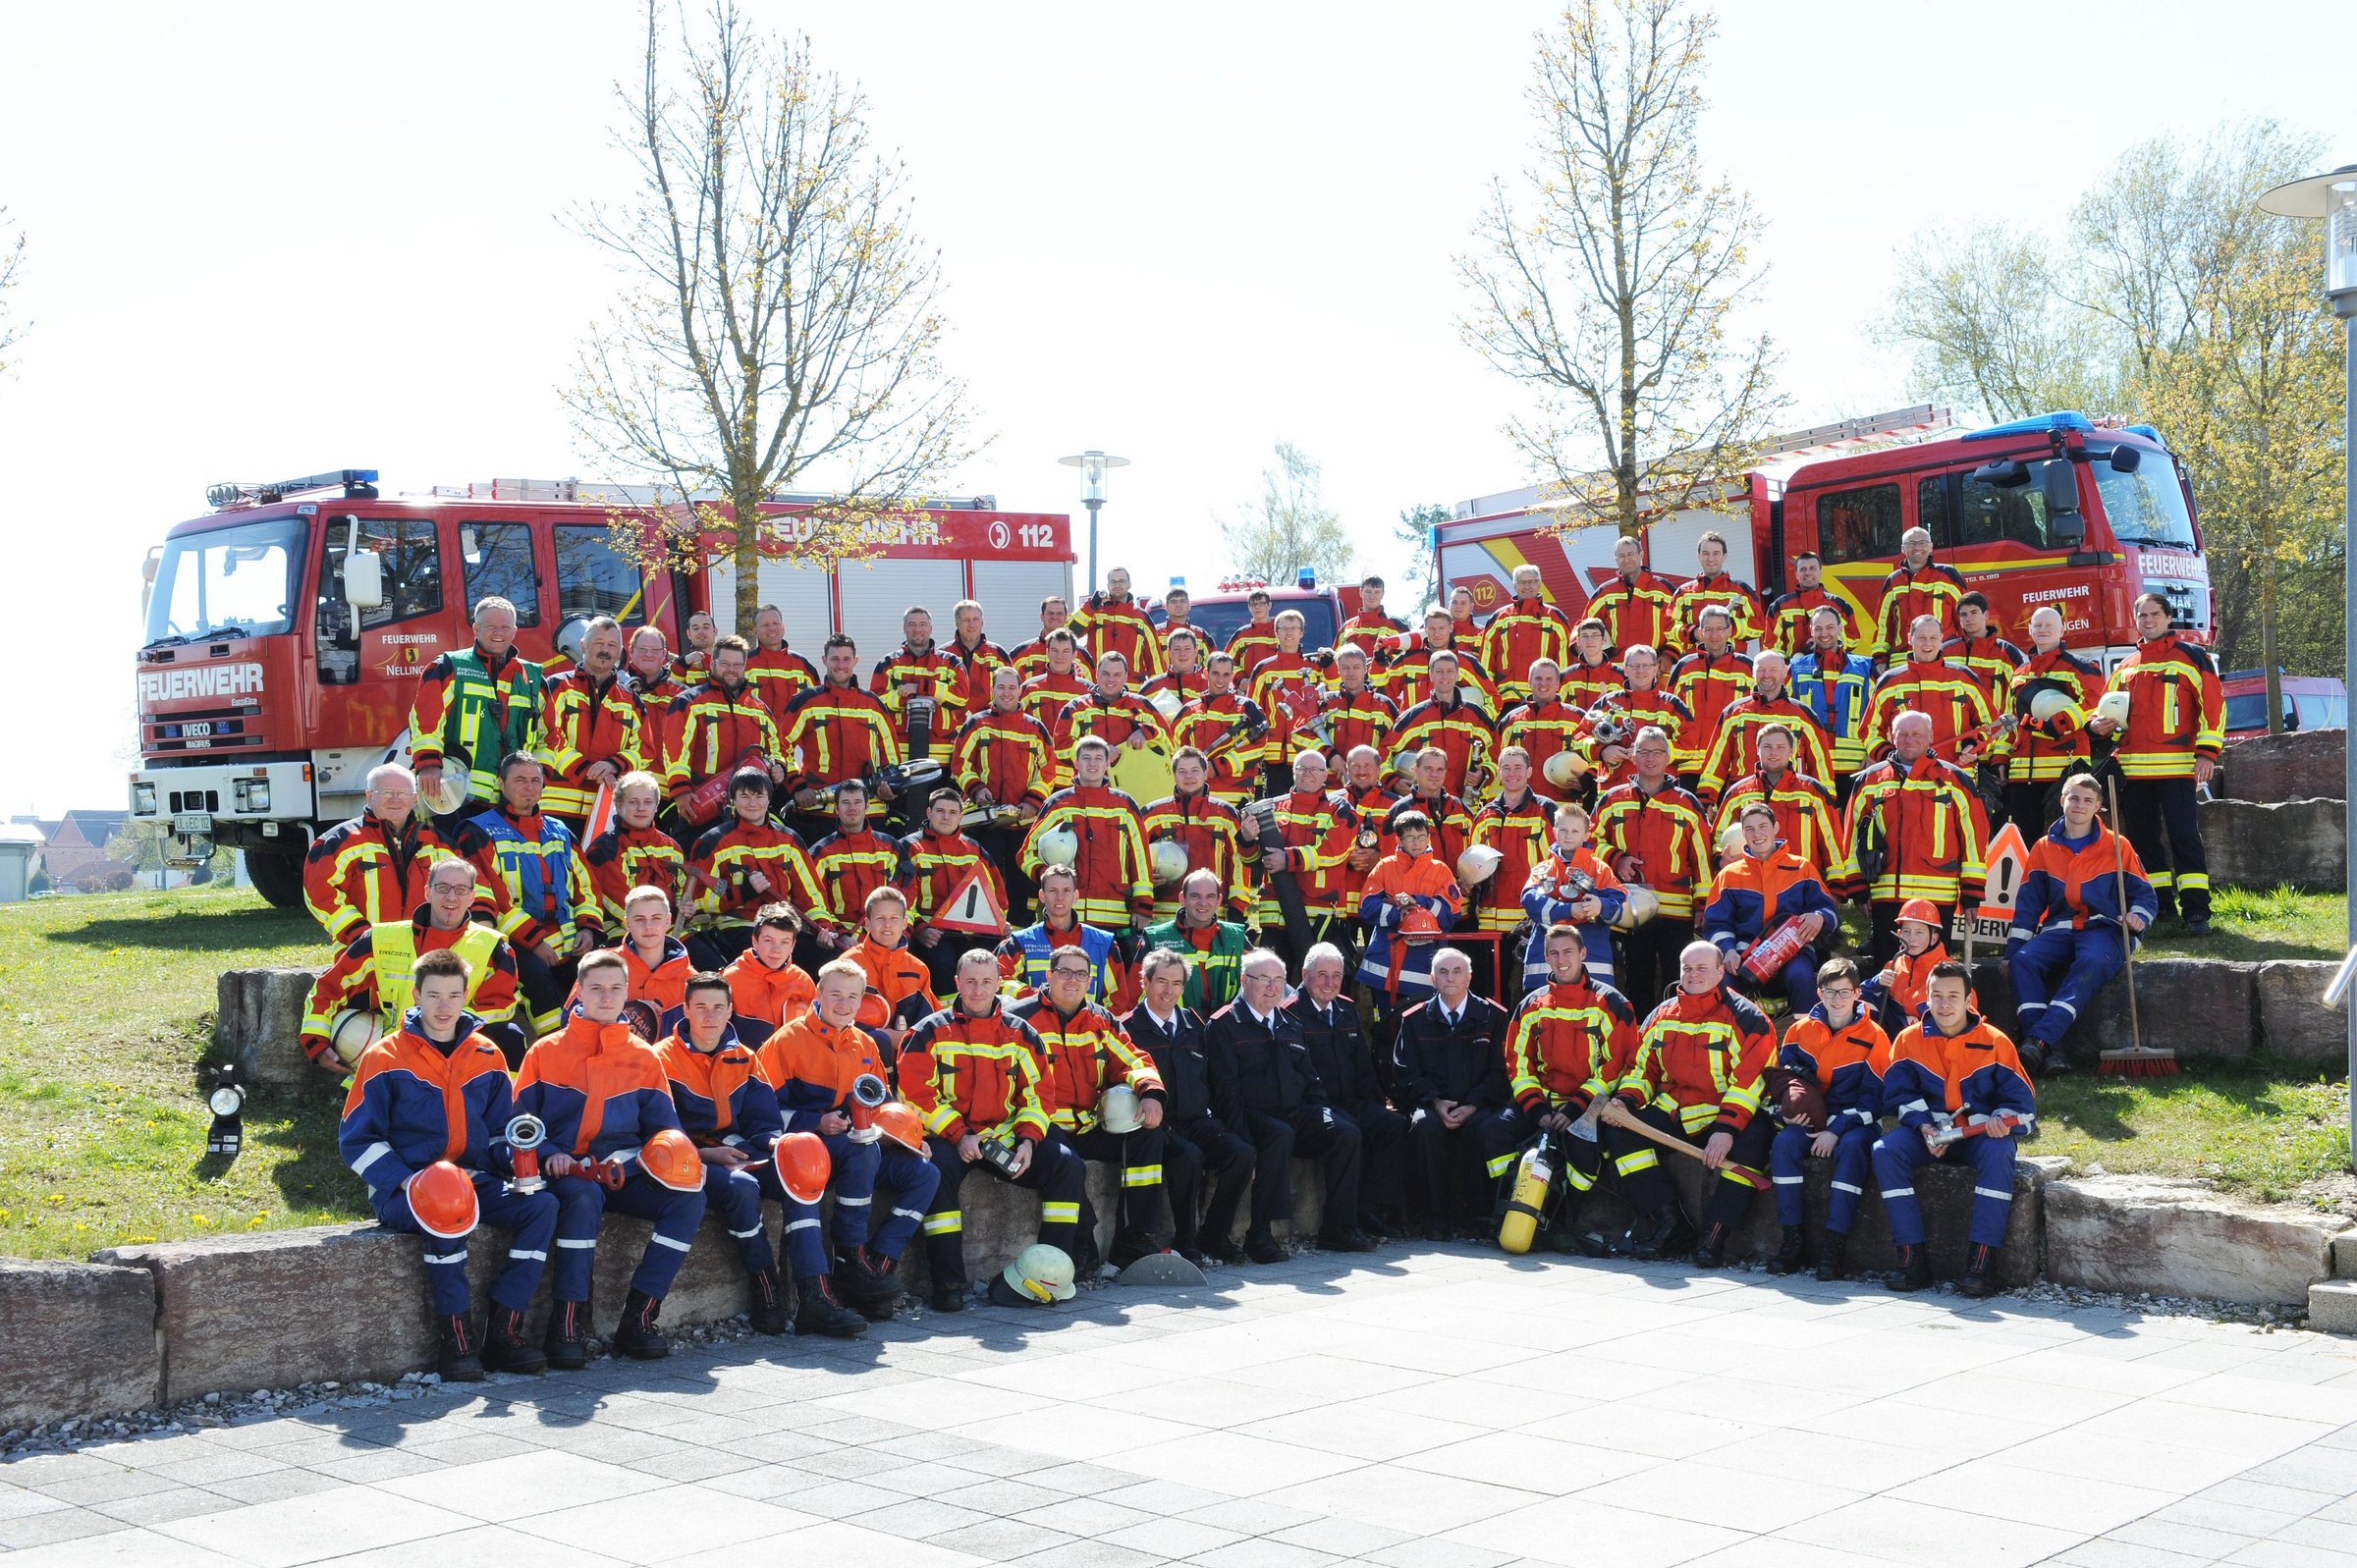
22,832
91,828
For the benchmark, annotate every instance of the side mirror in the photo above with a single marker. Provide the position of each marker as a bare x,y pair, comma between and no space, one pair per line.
364,579
2060,481
2003,472
2127,459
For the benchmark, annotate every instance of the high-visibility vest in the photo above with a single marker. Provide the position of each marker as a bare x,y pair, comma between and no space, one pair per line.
488,717
392,948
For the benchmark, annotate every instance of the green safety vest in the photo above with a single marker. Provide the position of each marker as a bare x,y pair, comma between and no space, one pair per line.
392,948
1215,977
490,717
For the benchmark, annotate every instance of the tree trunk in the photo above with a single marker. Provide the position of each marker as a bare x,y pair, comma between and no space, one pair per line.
746,555
2267,649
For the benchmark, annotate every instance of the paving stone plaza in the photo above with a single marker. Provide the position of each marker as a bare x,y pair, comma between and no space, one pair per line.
1439,1408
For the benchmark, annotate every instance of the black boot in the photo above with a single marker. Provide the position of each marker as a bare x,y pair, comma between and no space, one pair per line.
1663,1236
1914,1271
819,1312
872,1284
458,1359
1788,1259
506,1349
568,1338
1831,1263
949,1296
770,1313
1262,1246
1980,1274
1711,1251
637,1338
2055,1062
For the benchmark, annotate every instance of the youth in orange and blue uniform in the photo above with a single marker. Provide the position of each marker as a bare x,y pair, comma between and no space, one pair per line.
1433,885
1971,1075
1548,894
2066,944
764,996
1846,1066
900,988
1756,893
1894,995
601,1092
398,1118
664,983
723,1097
814,1064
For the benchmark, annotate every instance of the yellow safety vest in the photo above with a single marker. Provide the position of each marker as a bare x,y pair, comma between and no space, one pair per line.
392,948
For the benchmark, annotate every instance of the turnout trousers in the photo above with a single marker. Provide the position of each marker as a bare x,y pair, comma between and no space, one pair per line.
1203,1146
1852,1155
528,1219
582,1206
1137,1156
2154,810
1649,960
1057,1174
1505,1134
1897,1154
1650,1189
2057,973
1382,1156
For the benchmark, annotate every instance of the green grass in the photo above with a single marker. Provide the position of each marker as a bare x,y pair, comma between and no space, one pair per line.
105,1022
2268,1134
2252,926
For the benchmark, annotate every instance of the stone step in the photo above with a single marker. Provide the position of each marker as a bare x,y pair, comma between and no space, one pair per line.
2332,1306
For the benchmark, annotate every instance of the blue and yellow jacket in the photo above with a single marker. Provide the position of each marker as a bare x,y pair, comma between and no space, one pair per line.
721,1097
599,1090
410,1105
1753,896
1845,1063
2074,882
1840,691
1974,1073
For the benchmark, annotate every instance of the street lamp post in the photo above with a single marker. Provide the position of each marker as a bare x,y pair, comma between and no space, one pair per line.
2334,198
1092,465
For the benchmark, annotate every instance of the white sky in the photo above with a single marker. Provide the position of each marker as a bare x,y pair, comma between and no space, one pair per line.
269,240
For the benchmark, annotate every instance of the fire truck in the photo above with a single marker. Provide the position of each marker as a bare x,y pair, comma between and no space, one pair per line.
2053,510
285,629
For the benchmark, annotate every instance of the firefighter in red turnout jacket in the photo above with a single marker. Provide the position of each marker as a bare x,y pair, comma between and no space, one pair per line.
2066,944
1839,1050
601,1092
372,868
435,1090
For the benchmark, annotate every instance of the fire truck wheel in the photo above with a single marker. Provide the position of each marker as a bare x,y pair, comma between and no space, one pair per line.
276,876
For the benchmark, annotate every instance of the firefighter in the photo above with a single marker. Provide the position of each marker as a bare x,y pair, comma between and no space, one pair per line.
435,1090
1214,947
1734,752
1895,994
1769,884
601,1092
1701,1059
1566,1046
1256,638
727,1105
1635,604
1462,729
900,992
2167,751
836,731
1837,688
1805,809
1977,650
1465,630
766,986
1083,1053
1355,713
1411,882
1208,831
1589,675
1709,680
1917,586
1451,823
816,1061
1177,606
1449,1066
1927,683
739,866
1408,679
2041,753
1641,700
720,727
2066,944
977,659
1951,1065
648,675
1110,622
1110,854
971,1071
1063,680
1289,688
593,727
919,668
474,708
848,864
1318,830
1110,711
1352,1080
776,673
540,893
1921,818
1197,1140
372,970
1517,825
1839,1050
1268,1088
374,867
1022,955
1526,630
1712,585
1231,731
657,960
1369,627
634,852
1570,885
1791,617
937,861
1031,658
1651,831
693,664
1183,676
1005,759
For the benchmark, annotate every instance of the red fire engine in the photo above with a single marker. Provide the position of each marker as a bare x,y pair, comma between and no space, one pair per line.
285,631
2053,509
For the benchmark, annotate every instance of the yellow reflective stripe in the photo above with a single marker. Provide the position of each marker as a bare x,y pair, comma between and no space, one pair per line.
1051,1214
947,1223
1142,1177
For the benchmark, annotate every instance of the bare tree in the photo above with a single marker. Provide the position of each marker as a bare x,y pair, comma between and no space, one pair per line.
1615,293
11,265
1414,530
779,325
1291,526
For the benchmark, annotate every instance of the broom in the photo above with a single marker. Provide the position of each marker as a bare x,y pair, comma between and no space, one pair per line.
2136,1061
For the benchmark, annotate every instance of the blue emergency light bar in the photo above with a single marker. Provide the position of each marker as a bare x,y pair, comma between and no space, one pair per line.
2035,426
358,484
1306,577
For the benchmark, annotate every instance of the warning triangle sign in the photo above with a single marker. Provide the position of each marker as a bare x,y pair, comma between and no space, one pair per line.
971,908
2008,860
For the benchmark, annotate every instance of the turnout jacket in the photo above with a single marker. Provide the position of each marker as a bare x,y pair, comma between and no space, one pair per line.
1024,955
1805,811
1702,1059
584,721
1635,611
1699,593
598,1089
362,872
1708,684
470,705
411,1103
1789,615
1665,834
1462,1061
1339,1050
1845,1064
623,857
374,971
1907,593
975,665
848,867
1260,1066
831,733
728,857
777,676
1656,707
1112,720
1989,659
2075,882
722,1097
1459,728
1408,680
1949,696
1568,1045
981,1076
1582,686
1452,822
1933,826
1520,833
1736,749
2176,709
1181,1060
1081,1054
1048,693
539,881
1008,754
1111,865
813,1065
717,729
1320,829
1354,719
1211,833
935,674
1031,658
2041,753
1973,1074
1544,728
1105,625
934,866
1517,636
1234,734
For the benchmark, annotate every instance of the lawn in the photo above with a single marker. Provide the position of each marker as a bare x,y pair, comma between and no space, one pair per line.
2247,926
2274,1135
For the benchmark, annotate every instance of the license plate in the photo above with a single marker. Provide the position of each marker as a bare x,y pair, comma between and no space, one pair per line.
197,729
192,824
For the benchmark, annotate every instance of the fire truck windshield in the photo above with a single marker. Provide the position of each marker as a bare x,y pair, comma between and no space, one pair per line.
232,581
2147,506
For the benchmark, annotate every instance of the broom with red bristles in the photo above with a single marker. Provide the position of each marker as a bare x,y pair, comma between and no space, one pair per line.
2137,1060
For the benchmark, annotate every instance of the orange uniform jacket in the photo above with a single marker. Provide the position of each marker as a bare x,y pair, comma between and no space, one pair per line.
1008,754
770,995
899,985
812,1064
